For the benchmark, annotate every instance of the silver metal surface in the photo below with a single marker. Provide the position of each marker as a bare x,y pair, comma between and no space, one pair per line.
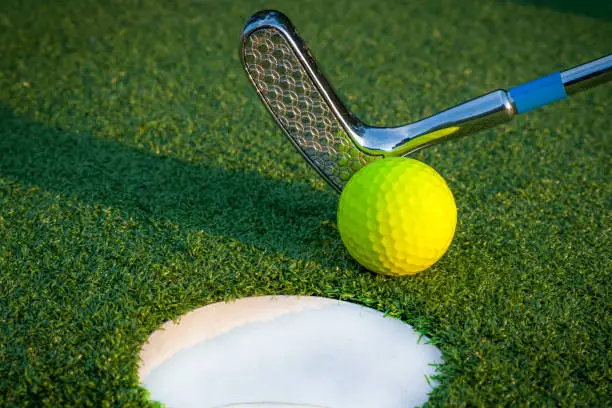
299,97
333,140
469,117
587,75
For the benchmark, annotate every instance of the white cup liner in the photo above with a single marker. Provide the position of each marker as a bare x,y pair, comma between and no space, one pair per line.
287,352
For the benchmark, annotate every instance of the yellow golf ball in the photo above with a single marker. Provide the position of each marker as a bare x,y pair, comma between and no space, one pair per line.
397,216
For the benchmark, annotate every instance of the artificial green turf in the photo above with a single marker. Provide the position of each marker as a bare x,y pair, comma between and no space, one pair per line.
140,178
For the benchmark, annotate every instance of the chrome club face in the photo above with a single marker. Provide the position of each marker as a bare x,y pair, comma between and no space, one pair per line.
299,98
334,141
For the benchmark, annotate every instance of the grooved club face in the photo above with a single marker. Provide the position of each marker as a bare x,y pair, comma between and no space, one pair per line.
278,69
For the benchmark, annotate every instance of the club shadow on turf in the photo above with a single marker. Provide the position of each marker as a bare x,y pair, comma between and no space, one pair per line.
281,217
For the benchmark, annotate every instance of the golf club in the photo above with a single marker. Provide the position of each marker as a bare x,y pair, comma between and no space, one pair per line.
335,142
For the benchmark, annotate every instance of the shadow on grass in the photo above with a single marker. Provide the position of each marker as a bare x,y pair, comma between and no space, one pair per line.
601,9
272,215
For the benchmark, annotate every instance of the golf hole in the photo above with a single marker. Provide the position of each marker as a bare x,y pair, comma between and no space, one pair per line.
287,352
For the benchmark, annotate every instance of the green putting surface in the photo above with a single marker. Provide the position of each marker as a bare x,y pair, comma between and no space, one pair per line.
141,177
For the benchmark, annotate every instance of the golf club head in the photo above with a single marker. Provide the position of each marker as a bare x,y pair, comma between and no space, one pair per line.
301,101
335,142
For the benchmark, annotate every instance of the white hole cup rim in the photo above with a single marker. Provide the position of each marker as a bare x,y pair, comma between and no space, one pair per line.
283,351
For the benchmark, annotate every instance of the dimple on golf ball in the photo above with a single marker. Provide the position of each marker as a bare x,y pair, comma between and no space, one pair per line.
397,216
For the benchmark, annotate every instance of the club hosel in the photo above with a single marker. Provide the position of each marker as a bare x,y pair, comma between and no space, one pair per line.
469,117
482,113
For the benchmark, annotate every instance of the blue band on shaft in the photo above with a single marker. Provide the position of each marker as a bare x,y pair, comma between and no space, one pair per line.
538,93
